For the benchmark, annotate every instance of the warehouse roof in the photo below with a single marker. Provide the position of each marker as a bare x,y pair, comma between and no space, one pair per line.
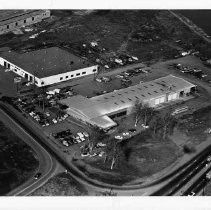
106,104
46,62
10,16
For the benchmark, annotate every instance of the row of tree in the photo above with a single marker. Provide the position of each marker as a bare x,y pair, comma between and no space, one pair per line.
157,121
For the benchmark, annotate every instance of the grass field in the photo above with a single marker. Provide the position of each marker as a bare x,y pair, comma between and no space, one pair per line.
141,157
17,160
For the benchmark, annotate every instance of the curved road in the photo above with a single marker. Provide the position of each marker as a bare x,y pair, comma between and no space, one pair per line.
47,164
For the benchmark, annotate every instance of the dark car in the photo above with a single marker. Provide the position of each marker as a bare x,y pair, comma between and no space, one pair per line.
132,130
37,175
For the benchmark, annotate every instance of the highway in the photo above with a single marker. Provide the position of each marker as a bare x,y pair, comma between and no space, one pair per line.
47,164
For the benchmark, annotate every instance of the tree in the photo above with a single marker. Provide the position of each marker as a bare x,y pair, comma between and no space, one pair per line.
147,113
137,109
168,123
155,124
96,135
144,112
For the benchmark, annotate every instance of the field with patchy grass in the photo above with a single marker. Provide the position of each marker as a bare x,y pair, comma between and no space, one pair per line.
17,160
140,157
61,185
148,34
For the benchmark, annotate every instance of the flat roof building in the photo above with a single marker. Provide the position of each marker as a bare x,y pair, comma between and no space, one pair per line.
48,66
13,19
100,110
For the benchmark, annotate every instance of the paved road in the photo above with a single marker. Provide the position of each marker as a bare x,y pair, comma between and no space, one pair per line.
47,164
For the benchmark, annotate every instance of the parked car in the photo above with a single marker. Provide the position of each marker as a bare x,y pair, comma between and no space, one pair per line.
85,134
98,80
37,175
118,137
132,130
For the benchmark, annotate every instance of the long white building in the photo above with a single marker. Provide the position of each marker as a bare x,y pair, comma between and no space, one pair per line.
101,110
47,66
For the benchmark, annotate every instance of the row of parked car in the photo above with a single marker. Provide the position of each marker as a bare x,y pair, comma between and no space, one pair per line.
103,79
125,134
67,138
132,72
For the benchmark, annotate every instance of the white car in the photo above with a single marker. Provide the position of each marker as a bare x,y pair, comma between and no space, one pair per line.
100,144
54,121
118,137
98,80
85,134
80,134
119,76
65,143
209,158
101,154
126,134
144,126
82,138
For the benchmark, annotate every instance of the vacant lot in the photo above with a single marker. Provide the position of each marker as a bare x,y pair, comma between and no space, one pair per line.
150,35
17,160
61,185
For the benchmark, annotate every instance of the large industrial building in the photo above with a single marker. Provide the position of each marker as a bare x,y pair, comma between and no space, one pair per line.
47,66
13,19
101,110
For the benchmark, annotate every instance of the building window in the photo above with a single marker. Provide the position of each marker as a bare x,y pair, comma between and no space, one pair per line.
149,93
36,82
61,78
129,99
15,70
24,21
42,83
94,70
77,74
8,26
155,91
16,24
122,101
26,76
84,72
32,18
66,77
72,75
143,95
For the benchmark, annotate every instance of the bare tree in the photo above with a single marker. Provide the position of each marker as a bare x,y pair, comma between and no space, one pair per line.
143,111
137,110
168,123
147,113
96,135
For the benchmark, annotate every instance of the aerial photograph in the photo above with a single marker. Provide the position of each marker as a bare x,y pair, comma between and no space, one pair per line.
105,102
